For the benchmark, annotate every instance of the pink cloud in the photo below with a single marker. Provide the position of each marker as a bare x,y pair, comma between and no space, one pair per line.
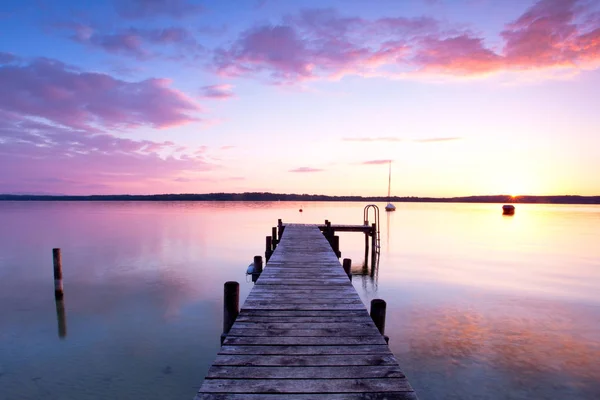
437,139
375,162
321,44
67,96
223,91
139,9
306,169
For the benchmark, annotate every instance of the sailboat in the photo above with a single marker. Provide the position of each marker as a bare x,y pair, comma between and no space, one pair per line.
390,206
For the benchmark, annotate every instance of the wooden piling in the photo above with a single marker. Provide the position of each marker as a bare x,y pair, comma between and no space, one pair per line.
231,306
61,317
58,284
280,229
268,248
348,267
258,267
274,237
378,307
335,245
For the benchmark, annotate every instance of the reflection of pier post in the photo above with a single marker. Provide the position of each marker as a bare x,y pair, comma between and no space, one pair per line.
61,316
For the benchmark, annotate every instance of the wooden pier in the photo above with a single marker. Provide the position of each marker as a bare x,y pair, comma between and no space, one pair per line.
304,333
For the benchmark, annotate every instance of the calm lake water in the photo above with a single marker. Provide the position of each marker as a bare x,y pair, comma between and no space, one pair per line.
480,306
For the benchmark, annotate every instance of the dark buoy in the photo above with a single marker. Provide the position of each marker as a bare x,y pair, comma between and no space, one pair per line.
300,210
508,209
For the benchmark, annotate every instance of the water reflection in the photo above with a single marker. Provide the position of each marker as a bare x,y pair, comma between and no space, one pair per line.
61,317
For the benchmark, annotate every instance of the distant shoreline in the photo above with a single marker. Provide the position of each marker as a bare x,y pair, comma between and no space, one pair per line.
258,196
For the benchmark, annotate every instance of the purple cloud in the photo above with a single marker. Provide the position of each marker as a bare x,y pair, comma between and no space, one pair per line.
139,9
67,96
222,91
6,58
375,162
306,169
136,42
44,157
321,44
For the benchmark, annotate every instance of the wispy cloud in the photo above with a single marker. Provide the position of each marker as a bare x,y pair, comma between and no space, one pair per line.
373,139
436,139
140,9
223,91
375,162
306,169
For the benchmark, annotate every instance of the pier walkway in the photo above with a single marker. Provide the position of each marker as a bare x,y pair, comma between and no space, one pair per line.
304,333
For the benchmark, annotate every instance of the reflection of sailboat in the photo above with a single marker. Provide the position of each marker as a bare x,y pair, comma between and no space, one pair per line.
390,206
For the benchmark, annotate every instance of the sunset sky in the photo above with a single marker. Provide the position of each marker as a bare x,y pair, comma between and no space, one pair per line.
179,96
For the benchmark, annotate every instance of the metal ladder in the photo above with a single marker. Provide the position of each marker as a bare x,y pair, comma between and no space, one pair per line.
376,216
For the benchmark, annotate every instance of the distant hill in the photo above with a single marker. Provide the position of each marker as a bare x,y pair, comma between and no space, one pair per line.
266,196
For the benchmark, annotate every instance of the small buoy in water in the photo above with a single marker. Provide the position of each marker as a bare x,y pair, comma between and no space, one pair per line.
508,209
250,269
300,210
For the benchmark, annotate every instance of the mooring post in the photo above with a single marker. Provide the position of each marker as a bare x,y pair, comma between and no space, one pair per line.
280,229
61,317
378,314
268,248
258,267
58,284
231,306
335,243
274,237
348,267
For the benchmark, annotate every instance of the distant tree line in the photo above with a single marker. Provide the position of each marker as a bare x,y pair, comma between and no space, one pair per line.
266,196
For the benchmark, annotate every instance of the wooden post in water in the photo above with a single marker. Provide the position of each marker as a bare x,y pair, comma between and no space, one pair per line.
268,248
274,237
280,229
378,314
62,318
348,267
258,267
231,306
335,244
58,284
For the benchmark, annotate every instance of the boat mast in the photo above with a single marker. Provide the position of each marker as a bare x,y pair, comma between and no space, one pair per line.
390,181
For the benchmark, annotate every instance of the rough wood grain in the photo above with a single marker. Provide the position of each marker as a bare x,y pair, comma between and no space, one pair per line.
304,333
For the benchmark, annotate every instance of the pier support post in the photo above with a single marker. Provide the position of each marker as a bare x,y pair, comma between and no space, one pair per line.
348,267
58,284
378,307
280,229
274,237
335,244
258,267
61,317
231,306
268,248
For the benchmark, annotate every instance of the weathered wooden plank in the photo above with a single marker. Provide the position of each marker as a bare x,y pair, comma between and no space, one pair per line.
305,385
304,333
304,341
290,360
311,396
307,350
304,313
329,332
304,372
324,323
